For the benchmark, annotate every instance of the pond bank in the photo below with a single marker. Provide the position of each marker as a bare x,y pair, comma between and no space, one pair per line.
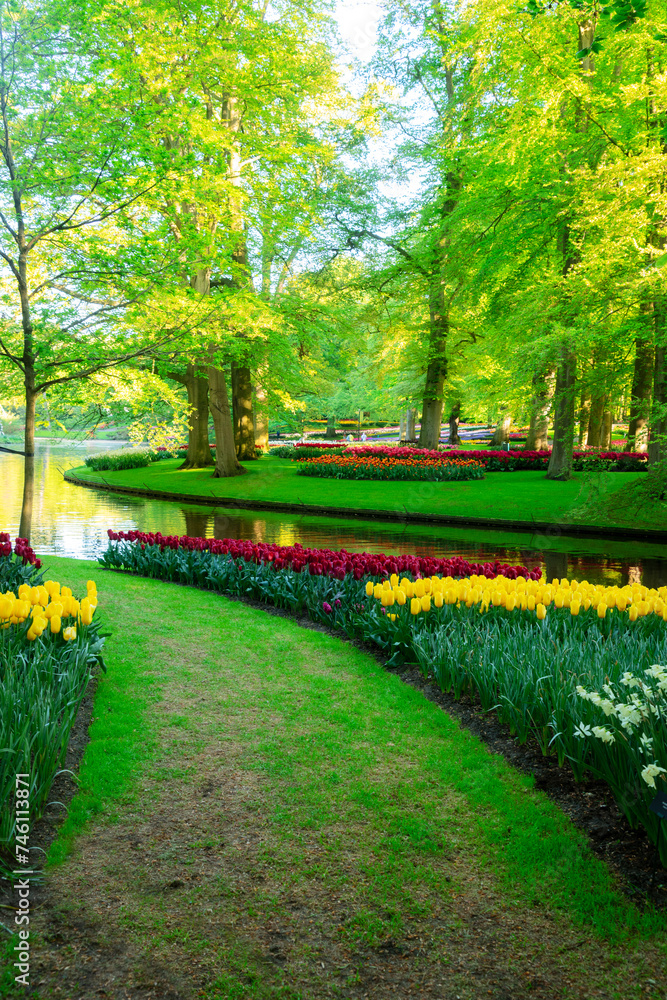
421,503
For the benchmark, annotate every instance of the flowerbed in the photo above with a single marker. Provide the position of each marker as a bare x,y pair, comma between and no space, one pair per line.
316,562
493,461
569,664
49,642
355,467
18,564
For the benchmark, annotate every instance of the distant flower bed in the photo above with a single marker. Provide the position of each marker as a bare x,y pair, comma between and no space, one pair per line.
493,461
352,466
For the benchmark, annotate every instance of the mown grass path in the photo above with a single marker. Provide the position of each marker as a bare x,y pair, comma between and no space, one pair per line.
266,813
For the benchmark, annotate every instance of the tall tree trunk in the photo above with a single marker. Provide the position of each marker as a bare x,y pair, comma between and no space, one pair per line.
642,386
199,452
560,463
261,412
584,416
244,422
331,428
226,463
436,371
501,435
657,442
410,420
454,418
605,440
598,406
543,393
25,527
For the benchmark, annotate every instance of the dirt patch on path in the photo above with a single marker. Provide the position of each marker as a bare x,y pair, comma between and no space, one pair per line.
197,891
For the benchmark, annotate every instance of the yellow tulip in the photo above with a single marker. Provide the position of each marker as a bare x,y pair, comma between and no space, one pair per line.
370,587
530,602
65,592
558,599
541,612
377,591
86,616
386,585
400,597
415,606
602,609
633,613
55,623
496,598
405,583
437,599
574,607
24,592
587,603
30,635
419,588
387,598
621,602
91,585
69,633
426,602
510,604
391,618
393,579
6,607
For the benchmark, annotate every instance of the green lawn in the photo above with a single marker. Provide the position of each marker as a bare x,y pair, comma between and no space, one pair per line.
512,496
249,829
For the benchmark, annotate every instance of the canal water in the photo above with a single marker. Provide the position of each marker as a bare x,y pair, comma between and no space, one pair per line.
73,521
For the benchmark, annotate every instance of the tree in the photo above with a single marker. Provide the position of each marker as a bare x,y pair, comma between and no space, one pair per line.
85,267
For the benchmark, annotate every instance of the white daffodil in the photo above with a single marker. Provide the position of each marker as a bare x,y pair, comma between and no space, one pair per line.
651,772
628,713
603,734
630,680
660,673
581,731
581,691
607,706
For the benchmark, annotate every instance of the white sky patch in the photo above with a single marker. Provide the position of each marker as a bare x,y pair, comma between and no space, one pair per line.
358,23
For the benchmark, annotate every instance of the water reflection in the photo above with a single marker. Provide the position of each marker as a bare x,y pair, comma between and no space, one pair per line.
70,520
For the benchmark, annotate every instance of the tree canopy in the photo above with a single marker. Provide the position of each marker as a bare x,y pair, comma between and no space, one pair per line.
204,200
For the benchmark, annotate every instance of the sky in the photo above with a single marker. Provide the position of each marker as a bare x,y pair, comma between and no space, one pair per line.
358,26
